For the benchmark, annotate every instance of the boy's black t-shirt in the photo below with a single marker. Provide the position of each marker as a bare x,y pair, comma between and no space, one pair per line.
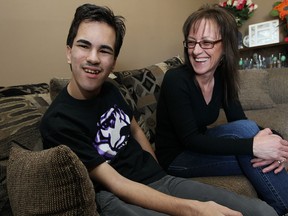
98,131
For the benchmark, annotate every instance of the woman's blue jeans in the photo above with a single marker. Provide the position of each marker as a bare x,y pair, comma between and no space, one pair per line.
272,188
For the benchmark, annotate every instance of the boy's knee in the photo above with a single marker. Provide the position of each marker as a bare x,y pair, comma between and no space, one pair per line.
261,208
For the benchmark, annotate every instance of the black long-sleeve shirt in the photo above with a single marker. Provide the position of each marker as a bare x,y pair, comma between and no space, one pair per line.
183,117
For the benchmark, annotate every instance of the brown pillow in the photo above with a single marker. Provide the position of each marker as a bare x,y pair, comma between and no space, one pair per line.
49,182
254,92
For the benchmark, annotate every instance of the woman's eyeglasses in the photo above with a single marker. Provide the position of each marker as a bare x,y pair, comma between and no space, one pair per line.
204,44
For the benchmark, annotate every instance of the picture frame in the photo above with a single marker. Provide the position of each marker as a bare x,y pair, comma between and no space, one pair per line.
264,33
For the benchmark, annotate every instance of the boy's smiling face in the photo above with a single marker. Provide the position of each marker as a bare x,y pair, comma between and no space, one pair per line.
92,58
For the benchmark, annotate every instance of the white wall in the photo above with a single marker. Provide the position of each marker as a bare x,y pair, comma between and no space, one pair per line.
33,35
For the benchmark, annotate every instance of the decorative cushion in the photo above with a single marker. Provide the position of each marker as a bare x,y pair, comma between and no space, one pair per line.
144,87
254,90
30,138
19,119
39,88
49,182
17,112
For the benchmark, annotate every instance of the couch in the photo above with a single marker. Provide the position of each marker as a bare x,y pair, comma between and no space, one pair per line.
34,181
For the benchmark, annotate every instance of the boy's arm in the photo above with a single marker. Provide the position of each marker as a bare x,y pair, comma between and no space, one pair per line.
146,197
140,137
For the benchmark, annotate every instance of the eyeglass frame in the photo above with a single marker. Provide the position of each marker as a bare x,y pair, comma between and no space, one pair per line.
185,43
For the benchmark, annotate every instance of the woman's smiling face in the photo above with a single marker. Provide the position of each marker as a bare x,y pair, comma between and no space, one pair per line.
205,61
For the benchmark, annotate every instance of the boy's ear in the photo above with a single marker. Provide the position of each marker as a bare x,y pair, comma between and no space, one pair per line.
68,54
112,67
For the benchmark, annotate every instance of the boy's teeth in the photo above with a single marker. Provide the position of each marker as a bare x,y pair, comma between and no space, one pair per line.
91,71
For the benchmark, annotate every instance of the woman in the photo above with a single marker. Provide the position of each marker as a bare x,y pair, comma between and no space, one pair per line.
190,100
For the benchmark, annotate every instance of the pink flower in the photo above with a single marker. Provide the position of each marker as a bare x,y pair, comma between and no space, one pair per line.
252,7
249,2
241,9
223,4
240,4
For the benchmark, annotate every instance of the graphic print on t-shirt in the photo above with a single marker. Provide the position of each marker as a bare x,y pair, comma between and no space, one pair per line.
112,132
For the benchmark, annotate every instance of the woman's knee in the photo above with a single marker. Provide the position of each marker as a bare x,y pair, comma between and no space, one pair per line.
249,128
236,129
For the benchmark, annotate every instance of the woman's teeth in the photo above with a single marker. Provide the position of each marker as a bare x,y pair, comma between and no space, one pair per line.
201,59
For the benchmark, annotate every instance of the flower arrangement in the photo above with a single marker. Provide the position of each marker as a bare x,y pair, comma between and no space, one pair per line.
280,9
241,9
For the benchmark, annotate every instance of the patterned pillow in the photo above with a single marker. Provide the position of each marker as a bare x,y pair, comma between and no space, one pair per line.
17,112
19,121
144,87
9,91
20,108
55,182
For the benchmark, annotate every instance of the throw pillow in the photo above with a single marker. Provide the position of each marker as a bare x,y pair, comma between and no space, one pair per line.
144,87
19,119
254,92
30,138
21,111
49,182
39,88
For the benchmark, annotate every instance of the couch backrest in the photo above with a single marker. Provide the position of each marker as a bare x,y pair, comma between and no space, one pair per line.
278,84
263,88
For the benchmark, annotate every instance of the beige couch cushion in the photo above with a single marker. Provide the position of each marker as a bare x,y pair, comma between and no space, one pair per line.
254,90
278,84
238,184
275,118
49,182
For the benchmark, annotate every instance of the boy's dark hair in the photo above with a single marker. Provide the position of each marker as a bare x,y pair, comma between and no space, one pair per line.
90,12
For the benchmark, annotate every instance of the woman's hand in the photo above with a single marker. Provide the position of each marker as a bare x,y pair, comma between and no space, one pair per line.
270,165
269,146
